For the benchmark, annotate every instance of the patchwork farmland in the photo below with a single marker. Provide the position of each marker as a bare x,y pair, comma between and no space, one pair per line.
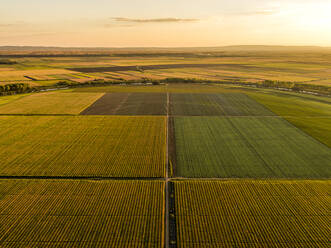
165,166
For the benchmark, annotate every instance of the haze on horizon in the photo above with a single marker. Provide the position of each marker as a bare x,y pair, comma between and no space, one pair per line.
160,23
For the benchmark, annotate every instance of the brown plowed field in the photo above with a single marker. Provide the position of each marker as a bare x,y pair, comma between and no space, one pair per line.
129,104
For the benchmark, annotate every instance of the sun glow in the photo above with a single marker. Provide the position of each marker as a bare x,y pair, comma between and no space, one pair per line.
310,15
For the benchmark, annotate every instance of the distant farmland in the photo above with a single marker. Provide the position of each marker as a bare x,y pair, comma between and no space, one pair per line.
47,68
151,67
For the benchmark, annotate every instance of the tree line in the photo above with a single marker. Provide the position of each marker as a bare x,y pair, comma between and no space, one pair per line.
16,88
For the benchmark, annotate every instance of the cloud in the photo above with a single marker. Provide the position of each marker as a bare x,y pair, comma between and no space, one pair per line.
6,25
15,24
155,20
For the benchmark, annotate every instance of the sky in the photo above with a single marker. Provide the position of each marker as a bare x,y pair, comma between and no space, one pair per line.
164,23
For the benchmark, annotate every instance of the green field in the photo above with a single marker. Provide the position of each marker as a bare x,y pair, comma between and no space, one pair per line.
48,213
318,127
50,103
82,146
290,104
253,213
309,113
229,104
247,147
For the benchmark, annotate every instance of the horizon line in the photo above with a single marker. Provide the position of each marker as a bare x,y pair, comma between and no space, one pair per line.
160,47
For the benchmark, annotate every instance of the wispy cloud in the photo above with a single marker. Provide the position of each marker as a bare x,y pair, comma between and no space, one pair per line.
154,20
6,25
14,24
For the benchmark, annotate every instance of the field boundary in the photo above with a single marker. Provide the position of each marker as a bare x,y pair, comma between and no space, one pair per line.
166,186
172,217
172,116
38,114
172,146
81,178
173,179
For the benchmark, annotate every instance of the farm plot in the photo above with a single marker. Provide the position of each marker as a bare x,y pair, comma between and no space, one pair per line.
309,113
291,104
252,147
253,213
66,213
129,104
50,103
230,104
74,146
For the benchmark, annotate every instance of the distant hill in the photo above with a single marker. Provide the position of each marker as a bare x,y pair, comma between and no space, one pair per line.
220,48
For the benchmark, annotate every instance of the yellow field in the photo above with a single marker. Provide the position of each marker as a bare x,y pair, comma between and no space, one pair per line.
253,213
50,103
11,75
74,146
7,99
67,213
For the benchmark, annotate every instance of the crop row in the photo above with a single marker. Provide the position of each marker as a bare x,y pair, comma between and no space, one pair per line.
253,213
